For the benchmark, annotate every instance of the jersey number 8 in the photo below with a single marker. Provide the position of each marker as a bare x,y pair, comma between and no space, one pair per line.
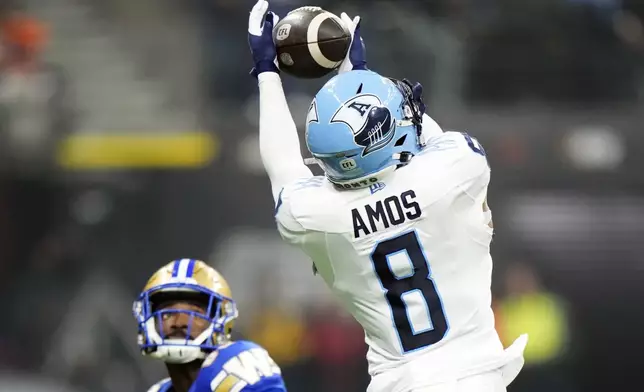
396,288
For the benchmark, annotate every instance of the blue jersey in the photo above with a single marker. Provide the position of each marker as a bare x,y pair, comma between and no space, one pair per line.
240,366
162,386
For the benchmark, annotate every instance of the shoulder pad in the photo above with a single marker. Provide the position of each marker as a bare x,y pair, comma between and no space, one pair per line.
237,365
312,206
285,214
161,386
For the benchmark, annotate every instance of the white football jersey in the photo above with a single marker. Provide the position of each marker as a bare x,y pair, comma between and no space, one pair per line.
409,259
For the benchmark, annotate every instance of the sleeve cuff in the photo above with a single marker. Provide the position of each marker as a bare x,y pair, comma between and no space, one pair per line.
268,76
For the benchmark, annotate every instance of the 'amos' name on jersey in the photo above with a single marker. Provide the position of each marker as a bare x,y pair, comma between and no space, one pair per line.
392,211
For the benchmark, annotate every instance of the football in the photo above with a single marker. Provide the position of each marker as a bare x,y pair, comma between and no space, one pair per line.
310,42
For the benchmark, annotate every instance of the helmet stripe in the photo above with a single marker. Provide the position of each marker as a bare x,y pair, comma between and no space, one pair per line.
175,268
191,268
181,267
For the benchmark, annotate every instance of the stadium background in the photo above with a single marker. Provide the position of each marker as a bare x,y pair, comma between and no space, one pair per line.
128,137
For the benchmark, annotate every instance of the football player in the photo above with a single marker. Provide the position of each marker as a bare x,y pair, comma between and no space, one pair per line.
185,315
398,227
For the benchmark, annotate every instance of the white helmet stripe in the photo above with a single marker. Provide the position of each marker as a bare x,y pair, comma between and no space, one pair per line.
180,269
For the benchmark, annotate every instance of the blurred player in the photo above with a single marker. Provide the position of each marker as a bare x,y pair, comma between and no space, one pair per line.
185,315
398,227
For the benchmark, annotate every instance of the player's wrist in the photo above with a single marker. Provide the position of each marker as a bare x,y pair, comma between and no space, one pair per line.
269,77
262,67
362,66
266,66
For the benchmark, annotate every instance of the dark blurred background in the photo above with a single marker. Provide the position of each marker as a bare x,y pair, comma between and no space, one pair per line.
128,138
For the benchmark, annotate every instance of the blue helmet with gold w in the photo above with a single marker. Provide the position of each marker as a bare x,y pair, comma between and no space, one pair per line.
184,312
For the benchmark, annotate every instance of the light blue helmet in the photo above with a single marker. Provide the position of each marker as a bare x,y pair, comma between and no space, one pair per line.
362,126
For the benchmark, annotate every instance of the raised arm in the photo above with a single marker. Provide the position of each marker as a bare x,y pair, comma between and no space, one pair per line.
279,143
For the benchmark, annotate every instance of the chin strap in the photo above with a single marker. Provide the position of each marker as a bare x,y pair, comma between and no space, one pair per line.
403,157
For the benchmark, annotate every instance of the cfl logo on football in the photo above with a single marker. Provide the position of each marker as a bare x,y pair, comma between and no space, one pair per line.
348,164
283,32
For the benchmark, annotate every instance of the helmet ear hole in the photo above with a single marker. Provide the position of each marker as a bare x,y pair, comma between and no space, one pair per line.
400,141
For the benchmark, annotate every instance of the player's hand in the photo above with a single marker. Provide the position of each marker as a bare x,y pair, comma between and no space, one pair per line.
260,38
356,57
417,97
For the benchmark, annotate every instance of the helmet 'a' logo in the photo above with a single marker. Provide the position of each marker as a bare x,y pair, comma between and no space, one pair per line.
371,123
